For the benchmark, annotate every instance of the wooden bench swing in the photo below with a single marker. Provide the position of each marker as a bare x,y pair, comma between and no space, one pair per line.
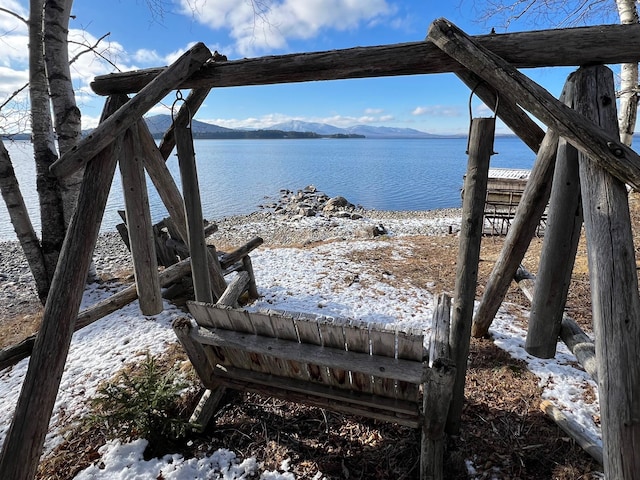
337,364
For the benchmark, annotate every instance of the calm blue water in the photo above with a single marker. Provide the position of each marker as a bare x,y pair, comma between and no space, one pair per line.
236,176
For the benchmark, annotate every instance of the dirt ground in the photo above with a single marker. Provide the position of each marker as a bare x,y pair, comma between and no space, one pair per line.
504,432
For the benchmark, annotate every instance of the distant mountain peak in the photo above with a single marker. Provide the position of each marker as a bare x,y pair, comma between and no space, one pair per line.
368,131
158,124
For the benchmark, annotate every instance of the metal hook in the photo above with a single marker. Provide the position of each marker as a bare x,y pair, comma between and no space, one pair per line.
495,109
180,98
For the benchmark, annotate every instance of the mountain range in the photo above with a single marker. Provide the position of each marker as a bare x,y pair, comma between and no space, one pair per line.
158,124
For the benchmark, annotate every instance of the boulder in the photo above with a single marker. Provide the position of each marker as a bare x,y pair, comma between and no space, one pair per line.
337,203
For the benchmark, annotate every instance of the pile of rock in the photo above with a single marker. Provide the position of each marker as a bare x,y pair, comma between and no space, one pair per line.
309,202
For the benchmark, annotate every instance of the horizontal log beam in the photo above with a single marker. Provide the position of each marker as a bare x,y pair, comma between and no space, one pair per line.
541,48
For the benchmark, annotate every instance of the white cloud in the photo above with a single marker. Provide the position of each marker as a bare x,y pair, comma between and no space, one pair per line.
267,25
274,118
146,56
11,80
437,110
173,56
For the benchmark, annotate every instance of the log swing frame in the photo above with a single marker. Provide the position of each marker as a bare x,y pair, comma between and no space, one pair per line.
489,62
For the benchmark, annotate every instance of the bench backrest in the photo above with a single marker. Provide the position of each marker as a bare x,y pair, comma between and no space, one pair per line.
335,352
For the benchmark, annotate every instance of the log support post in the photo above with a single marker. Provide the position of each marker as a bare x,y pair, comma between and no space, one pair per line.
509,112
170,78
438,390
139,225
504,78
195,230
481,139
561,238
162,179
614,284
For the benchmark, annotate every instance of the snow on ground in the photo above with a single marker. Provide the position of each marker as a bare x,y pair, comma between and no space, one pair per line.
319,279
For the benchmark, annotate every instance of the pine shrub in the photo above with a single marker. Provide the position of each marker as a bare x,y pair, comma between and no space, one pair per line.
143,403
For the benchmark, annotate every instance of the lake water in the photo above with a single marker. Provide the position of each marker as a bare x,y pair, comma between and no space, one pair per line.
236,176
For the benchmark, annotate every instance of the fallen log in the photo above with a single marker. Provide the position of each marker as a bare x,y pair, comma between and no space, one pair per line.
590,444
228,259
570,332
12,355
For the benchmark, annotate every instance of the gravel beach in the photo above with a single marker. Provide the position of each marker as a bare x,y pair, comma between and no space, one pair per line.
111,257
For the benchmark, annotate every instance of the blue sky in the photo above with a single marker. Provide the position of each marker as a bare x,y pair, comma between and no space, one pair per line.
141,38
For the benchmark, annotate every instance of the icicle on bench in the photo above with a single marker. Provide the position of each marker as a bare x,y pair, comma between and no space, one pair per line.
341,365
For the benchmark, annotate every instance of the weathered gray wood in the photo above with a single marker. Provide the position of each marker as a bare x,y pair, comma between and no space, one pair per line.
357,338
530,209
193,102
237,286
509,112
163,181
332,335
25,438
320,395
265,324
285,328
207,407
570,332
309,334
239,253
614,284
580,345
252,288
139,224
604,149
383,342
561,237
590,444
380,366
525,49
183,329
438,391
193,208
410,346
232,320
121,120
481,139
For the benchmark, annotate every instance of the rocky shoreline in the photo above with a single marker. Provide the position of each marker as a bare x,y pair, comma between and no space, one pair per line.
111,256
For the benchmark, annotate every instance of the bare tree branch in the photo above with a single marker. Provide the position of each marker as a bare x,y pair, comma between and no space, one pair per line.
93,48
13,95
14,14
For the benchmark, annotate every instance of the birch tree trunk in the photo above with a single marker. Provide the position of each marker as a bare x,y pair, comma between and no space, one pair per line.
43,142
21,223
66,112
628,79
